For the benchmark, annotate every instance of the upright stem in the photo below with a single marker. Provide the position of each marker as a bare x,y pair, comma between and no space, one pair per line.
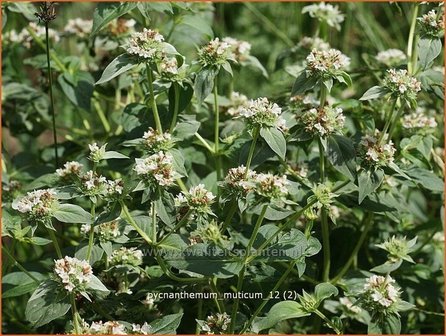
232,210
395,122
156,116
323,97
176,107
217,131
180,224
251,149
367,221
50,81
56,244
324,220
245,262
411,46
74,310
154,222
388,122
132,222
91,234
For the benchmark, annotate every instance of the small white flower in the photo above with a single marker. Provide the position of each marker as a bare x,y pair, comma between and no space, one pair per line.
391,57
145,329
73,273
262,113
271,186
326,13
79,27
322,62
216,52
126,256
146,45
381,290
37,204
70,168
240,49
197,199
157,168
323,121
96,152
401,83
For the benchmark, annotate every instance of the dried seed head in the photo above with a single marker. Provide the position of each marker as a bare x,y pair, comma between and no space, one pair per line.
47,12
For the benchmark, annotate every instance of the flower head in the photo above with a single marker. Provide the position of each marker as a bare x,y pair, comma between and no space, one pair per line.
400,83
146,45
419,122
325,13
215,53
398,248
96,153
106,231
79,27
70,169
157,168
38,205
238,182
156,142
238,101
323,121
391,57
432,24
74,274
216,324
25,39
104,328
374,153
311,43
326,62
208,232
239,49
262,113
271,186
144,329
198,199
126,256
380,293
324,196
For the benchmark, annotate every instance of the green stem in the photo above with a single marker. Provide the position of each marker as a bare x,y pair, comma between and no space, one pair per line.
133,223
176,107
251,150
324,220
56,244
411,46
156,116
91,235
366,225
102,116
180,224
217,131
154,222
327,321
321,161
388,122
218,302
264,302
323,97
395,121
199,317
246,259
50,81
204,142
74,310
16,263
231,213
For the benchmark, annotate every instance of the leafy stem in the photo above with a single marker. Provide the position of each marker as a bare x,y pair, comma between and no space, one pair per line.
231,213
255,136
16,263
132,222
91,234
50,83
156,116
217,131
411,43
55,243
176,107
180,224
75,313
388,122
153,222
327,321
366,225
324,219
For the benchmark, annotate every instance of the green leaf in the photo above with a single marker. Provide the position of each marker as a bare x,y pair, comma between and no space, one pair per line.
78,88
186,129
204,83
341,154
185,95
19,290
70,213
48,302
324,291
114,155
281,311
109,214
107,12
253,62
96,254
198,23
389,324
166,325
426,179
368,182
374,92
303,83
96,285
275,140
428,51
118,66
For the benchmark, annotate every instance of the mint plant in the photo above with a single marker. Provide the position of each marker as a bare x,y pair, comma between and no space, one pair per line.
222,168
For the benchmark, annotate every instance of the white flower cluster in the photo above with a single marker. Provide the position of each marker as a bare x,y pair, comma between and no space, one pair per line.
37,205
157,168
156,142
24,37
262,113
216,324
216,52
104,328
126,256
432,23
237,102
147,45
238,182
326,62
169,67
323,121
325,13
106,231
96,152
79,27
419,121
198,199
121,26
239,49
381,290
401,83
349,307
310,43
375,153
144,329
271,186
71,168
391,57
74,274
93,184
